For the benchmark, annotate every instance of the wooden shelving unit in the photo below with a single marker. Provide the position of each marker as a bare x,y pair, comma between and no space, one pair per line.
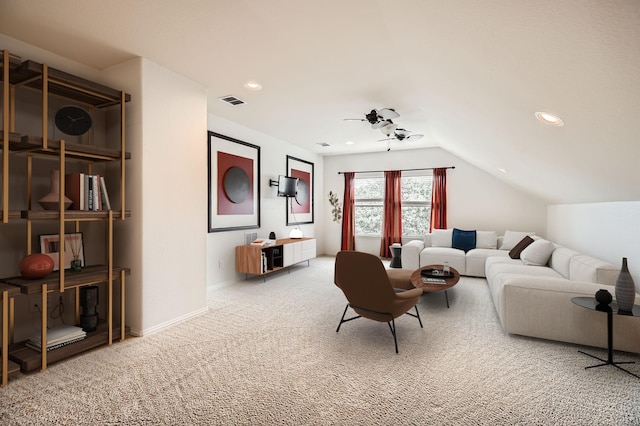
33,76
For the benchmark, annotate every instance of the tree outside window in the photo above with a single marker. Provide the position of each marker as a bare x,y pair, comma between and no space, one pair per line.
416,203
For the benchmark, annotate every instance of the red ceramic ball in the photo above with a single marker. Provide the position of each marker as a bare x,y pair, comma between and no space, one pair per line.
36,266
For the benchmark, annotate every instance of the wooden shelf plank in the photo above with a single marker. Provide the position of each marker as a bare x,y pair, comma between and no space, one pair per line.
29,359
88,276
71,214
66,85
33,145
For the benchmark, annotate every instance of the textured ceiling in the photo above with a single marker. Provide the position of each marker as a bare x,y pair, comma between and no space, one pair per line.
467,74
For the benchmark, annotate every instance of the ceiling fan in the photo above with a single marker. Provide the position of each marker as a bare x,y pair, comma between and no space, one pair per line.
379,118
403,135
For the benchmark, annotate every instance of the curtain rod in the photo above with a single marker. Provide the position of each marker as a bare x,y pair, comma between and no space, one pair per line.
403,170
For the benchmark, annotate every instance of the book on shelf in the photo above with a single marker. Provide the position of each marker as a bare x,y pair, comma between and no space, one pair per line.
74,190
57,337
87,192
263,242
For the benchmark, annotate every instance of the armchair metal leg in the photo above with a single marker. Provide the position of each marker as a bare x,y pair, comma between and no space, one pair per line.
345,320
416,315
392,327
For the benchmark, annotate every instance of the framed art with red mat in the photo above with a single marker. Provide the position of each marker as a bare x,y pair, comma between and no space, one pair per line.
234,184
300,207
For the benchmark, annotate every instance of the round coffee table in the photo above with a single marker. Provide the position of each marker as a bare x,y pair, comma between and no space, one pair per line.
416,281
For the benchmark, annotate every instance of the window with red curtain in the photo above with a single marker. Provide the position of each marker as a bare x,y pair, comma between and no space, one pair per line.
439,200
392,212
348,218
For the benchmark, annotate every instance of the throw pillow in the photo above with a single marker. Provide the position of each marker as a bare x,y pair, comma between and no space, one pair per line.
463,240
441,237
537,253
511,238
517,249
486,239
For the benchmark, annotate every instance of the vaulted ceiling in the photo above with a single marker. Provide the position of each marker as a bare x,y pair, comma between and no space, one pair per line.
467,74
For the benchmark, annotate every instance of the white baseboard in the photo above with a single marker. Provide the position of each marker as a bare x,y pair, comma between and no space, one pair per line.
169,324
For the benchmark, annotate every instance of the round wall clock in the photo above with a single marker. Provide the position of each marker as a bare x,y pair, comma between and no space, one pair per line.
73,120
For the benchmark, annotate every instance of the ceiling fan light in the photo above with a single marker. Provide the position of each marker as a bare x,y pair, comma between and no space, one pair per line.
388,128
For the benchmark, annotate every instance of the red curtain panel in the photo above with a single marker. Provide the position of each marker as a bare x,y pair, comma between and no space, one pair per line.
392,212
348,216
439,200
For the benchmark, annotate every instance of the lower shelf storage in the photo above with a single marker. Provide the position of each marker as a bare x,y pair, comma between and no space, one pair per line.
28,359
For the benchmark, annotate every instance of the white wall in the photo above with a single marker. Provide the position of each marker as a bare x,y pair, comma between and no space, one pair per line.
273,162
609,231
475,199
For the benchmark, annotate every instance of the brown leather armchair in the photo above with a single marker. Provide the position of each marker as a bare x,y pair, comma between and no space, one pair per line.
364,281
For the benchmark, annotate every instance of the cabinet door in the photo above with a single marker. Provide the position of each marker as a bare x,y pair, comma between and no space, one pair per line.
292,253
308,249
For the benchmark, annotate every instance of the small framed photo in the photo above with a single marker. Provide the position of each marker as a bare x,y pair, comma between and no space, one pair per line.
73,248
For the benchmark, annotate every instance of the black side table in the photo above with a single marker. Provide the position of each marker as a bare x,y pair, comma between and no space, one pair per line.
610,310
396,260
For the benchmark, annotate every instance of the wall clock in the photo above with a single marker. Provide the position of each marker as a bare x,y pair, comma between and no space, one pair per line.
73,120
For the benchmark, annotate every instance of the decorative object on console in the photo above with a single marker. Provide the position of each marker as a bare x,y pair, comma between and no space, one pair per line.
51,201
35,266
301,208
296,233
603,297
73,120
625,288
73,249
234,187
336,207
272,235
89,304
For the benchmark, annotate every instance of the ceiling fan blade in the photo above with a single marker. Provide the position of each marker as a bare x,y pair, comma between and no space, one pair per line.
387,139
353,119
388,114
414,137
381,124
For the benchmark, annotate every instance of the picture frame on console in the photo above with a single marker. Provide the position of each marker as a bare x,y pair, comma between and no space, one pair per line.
73,248
233,183
300,208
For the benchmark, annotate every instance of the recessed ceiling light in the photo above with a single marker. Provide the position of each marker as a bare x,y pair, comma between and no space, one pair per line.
253,85
349,142
502,171
548,118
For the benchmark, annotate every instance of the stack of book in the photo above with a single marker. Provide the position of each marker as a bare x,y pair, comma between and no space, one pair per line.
88,192
57,337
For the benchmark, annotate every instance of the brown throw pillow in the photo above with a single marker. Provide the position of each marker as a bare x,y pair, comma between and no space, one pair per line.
517,249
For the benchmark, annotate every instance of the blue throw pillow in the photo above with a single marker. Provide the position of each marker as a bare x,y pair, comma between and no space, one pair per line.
463,240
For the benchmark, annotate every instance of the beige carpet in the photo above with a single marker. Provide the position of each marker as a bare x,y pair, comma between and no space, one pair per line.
267,353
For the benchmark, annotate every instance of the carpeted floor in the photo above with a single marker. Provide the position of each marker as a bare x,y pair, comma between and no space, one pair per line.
267,353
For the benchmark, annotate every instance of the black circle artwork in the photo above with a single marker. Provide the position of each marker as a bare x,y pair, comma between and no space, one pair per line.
302,196
73,120
237,186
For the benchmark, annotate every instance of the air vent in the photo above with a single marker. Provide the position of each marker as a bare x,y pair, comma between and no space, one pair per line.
323,144
232,100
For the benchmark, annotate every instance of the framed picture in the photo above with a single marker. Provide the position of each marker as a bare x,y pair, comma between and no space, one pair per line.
300,207
73,248
234,184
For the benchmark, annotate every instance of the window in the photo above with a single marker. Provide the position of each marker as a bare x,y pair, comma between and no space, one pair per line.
416,203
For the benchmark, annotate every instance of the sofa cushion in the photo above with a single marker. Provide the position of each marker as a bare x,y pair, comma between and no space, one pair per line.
587,268
560,260
537,253
463,240
486,239
517,249
475,260
441,237
511,238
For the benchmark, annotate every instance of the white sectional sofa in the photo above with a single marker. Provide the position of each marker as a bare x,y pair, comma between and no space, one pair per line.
532,294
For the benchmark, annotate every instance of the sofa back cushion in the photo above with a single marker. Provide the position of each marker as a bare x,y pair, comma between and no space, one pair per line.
517,249
560,260
537,253
441,237
587,268
486,239
511,238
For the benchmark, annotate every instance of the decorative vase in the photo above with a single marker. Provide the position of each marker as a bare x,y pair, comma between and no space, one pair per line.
603,297
51,201
35,266
625,288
